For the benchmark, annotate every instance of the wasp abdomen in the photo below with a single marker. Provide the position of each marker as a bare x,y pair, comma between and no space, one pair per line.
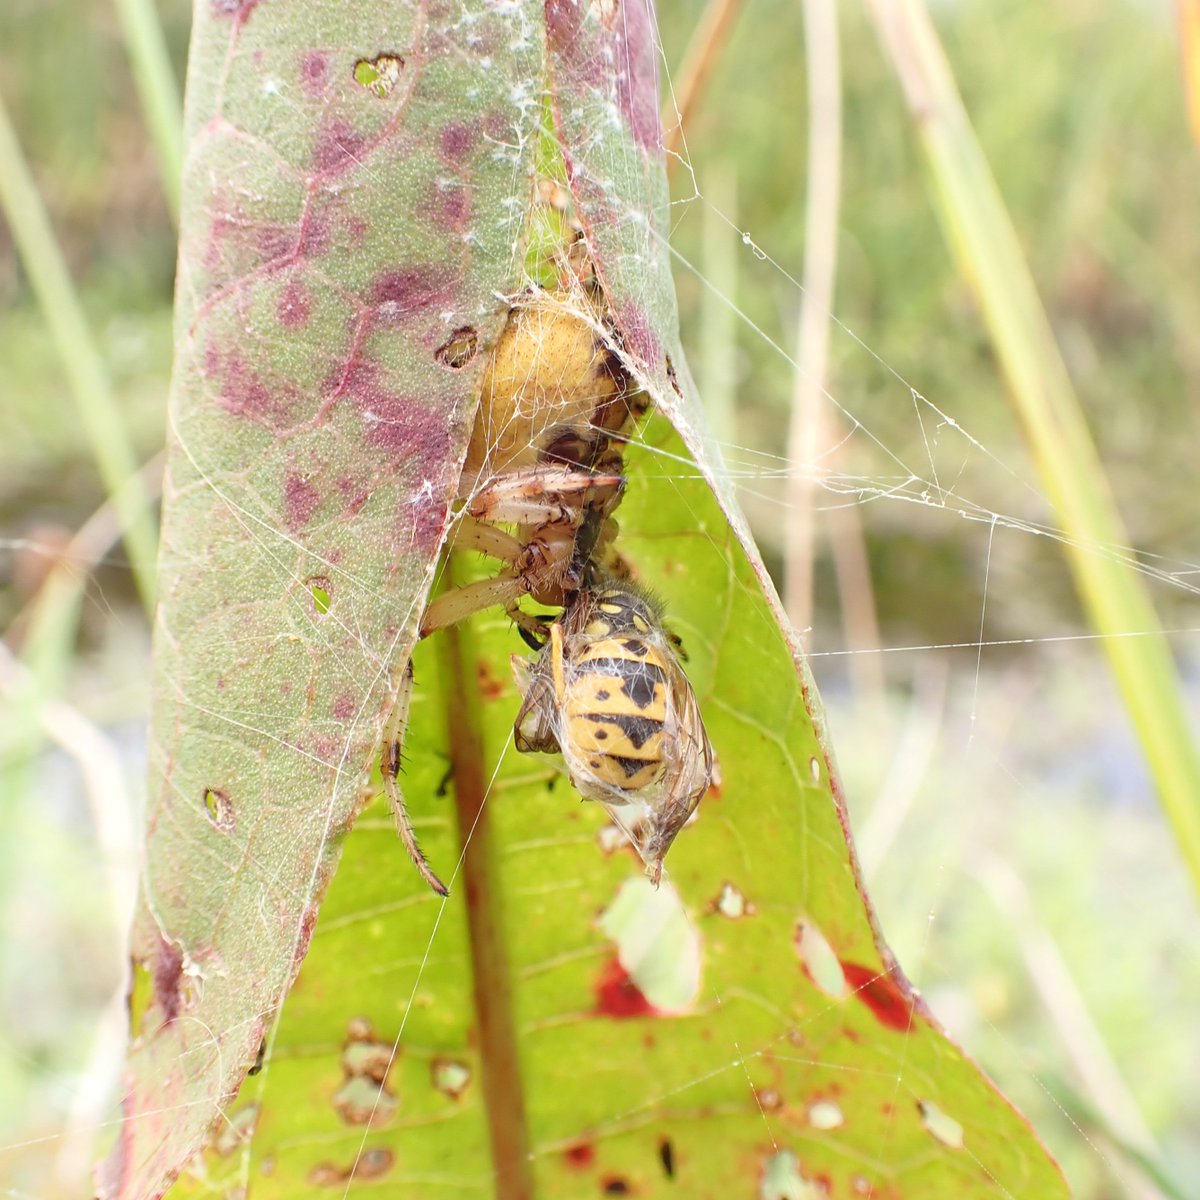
616,709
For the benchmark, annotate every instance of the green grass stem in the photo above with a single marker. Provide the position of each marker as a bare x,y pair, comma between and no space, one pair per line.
158,91
989,253
86,372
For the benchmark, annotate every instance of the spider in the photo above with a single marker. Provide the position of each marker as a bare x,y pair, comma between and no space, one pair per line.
556,407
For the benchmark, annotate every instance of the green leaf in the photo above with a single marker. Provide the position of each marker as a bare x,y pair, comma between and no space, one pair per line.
557,1027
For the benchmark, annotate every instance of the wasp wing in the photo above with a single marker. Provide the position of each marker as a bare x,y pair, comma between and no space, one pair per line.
688,755
535,728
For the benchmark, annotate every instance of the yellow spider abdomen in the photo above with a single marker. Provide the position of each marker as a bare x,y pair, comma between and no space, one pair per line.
549,377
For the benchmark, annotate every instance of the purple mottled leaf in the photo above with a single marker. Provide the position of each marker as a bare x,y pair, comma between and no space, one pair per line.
334,237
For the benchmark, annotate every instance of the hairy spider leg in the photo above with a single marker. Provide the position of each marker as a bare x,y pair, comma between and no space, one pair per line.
389,767
554,503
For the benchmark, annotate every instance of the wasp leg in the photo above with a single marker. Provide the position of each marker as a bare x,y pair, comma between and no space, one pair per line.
533,628
389,768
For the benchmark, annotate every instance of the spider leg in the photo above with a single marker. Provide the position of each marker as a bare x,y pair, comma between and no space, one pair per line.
539,569
456,605
389,768
473,534
543,495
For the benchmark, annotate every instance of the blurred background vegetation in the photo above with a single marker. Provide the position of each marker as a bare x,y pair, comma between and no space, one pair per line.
1010,834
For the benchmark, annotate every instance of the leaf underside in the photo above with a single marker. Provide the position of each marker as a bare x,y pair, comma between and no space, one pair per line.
338,229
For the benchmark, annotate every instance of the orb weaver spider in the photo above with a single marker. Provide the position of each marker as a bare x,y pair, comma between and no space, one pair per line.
556,407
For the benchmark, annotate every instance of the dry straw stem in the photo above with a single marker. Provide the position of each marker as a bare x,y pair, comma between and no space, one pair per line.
158,92
812,433
81,360
1114,1105
989,254
1189,48
808,435
712,32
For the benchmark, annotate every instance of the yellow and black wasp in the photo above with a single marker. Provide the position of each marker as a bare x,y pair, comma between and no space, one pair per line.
608,692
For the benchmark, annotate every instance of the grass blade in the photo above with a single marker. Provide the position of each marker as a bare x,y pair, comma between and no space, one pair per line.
84,367
985,243
158,91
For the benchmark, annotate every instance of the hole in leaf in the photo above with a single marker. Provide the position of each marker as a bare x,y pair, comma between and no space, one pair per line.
731,903
378,75
824,1114
219,808
367,1059
450,1077
370,1164
656,943
945,1129
820,963
321,591
782,1180
666,1154
361,1100
459,349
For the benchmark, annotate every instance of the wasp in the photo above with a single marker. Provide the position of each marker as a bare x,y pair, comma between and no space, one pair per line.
609,693
541,479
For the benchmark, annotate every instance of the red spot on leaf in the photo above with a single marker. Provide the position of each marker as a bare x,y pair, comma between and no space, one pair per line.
294,306
314,71
451,206
563,21
880,994
456,142
308,923
167,972
581,1155
316,229
619,59
338,146
429,527
345,706
239,238
490,688
354,494
242,393
617,996
635,43
404,293
637,335
300,500
240,10
325,747
405,427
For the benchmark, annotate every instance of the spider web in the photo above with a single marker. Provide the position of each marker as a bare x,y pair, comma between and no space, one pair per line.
955,739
